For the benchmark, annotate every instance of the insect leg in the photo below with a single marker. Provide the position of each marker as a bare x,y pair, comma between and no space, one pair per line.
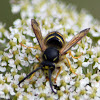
35,47
37,57
70,66
29,75
72,55
60,68
50,82
33,73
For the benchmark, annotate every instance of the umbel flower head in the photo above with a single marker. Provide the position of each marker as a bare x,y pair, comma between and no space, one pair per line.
16,61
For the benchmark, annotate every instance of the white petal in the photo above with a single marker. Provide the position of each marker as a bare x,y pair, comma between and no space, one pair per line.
2,69
85,64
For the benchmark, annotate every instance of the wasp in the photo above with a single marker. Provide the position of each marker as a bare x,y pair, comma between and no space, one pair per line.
53,47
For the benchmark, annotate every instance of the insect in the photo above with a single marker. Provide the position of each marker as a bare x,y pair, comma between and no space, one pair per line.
53,47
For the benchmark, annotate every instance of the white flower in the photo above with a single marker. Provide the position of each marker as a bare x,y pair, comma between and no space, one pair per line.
84,82
11,63
85,64
99,42
7,88
15,8
16,61
79,71
96,65
2,69
89,89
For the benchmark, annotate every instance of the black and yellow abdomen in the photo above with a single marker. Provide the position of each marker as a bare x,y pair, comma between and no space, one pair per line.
54,39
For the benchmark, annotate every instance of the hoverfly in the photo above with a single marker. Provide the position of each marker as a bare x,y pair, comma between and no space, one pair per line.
53,47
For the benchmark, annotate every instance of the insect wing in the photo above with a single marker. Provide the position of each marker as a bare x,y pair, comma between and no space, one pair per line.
37,32
74,40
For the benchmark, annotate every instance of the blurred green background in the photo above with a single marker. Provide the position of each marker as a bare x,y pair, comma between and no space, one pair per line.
92,6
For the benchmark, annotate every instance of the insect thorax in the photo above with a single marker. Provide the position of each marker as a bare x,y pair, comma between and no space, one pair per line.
51,54
55,39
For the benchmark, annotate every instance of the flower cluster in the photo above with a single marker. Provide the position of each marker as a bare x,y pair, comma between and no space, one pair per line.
16,61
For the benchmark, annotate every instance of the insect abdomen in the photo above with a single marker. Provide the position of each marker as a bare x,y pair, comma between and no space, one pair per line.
54,39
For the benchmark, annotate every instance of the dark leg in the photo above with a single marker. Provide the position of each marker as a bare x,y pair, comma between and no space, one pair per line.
51,84
29,75
33,73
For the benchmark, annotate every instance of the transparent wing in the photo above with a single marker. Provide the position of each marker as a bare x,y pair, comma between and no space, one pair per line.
74,40
37,32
